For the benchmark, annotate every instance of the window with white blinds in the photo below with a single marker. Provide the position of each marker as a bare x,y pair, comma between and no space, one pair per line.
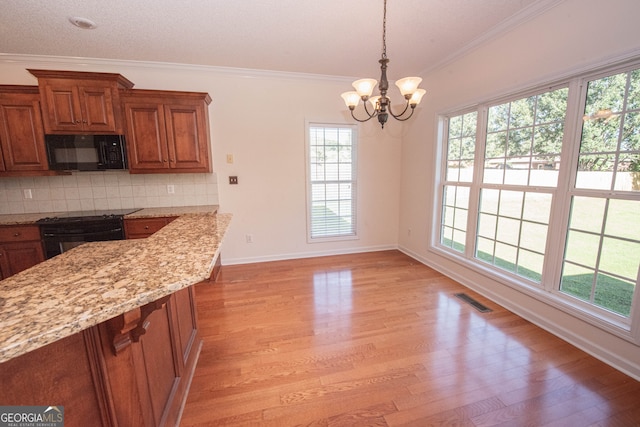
331,181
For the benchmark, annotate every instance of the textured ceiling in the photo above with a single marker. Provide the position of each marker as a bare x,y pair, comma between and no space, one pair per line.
327,37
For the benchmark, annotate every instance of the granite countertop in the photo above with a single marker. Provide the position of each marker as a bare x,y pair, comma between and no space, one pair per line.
97,281
31,218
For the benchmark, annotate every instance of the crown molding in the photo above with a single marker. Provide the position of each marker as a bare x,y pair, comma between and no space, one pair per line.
79,62
515,20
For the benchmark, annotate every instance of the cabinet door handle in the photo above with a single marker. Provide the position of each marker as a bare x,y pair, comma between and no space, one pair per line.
146,227
16,234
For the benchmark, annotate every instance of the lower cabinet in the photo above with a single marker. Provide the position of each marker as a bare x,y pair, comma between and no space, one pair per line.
132,370
20,248
139,228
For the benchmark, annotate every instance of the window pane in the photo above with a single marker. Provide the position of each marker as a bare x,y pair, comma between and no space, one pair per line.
603,238
577,281
537,207
606,94
454,217
506,240
633,100
508,230
610,143
524,140
511,203
582,248
530,265
620,257
614,294
485,248
522,112
489,202
487,226
505,257
461,147
533,236
623,219
587,214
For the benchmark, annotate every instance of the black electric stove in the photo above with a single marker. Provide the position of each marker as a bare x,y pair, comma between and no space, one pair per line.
70,229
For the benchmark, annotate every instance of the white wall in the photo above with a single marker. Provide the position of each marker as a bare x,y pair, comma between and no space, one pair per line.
573,35
259,118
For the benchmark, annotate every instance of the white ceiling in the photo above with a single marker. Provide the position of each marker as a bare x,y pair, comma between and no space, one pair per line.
326,37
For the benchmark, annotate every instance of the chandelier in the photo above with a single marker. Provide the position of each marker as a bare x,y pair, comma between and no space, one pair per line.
381,104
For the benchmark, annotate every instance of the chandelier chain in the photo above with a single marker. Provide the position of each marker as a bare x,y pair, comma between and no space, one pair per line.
384,31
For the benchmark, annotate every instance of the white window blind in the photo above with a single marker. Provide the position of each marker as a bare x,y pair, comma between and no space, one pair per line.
331,181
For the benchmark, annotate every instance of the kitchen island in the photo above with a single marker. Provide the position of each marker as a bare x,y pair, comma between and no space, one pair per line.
108,330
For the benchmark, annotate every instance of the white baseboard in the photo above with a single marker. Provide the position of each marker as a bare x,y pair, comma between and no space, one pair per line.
603,354
301,255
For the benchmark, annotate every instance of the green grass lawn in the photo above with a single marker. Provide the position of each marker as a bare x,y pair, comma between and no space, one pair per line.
611,285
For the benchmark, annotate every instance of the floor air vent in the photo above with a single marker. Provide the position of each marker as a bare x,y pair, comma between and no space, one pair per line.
466,298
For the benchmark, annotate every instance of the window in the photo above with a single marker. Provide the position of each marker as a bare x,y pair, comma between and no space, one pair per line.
602,253
331,192
533,175
521,160
461,142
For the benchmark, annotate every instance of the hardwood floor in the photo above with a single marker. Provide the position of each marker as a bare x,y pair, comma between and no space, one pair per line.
379,339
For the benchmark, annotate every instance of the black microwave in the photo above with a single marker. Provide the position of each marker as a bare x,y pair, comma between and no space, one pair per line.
86,152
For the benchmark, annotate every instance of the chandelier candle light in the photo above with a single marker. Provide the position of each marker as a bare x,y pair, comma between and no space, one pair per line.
381,103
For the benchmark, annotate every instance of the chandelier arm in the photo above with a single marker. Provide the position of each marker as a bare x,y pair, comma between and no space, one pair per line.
375,112
371,116
397,116
400,119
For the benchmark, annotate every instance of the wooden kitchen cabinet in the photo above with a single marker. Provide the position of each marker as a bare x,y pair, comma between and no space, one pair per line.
81,102
167,132
140,228
132,370
20,248
22,149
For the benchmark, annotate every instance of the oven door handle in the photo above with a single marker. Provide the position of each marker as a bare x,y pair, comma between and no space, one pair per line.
82,234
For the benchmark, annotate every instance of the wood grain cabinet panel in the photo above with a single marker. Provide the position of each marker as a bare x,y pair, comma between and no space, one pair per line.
21,130
140,228
144,383
167,131
20,248
80,102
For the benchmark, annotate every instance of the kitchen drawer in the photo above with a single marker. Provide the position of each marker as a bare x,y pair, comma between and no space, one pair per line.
138,228
19,233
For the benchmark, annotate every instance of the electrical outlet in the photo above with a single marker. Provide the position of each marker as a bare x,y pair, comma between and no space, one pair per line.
249,238
171,189
233,180
28,194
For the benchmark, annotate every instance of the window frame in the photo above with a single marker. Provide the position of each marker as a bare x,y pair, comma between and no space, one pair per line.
354,234
548,290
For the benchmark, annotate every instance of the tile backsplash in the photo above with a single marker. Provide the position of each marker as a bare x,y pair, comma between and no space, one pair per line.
83,191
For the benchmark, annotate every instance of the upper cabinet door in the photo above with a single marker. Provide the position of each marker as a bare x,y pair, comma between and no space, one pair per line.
145,135
63,108
21,132
187,136
80,102
166,131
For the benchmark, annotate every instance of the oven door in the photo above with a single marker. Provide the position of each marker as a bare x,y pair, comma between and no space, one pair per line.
60,238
